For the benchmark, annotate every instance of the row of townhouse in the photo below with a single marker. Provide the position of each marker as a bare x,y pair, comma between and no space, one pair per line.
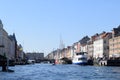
97,46
105,45
9,46
61,53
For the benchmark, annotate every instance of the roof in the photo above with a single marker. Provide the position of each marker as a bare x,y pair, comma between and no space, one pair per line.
84,40
0,21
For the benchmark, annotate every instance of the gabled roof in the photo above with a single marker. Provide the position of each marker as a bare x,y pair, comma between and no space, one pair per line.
84,40
12,37
116,31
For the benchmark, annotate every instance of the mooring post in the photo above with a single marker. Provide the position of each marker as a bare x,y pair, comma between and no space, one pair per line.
4,66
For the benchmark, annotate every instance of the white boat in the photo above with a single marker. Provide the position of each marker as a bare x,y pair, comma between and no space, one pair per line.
80,58
31,61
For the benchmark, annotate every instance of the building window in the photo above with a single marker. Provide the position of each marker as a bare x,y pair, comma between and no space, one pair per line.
113,44
105,41
113,39
107,47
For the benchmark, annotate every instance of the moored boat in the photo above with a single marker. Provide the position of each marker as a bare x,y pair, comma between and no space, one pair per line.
80,58
31,61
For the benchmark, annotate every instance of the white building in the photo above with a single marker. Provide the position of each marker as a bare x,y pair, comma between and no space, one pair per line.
11,47
84,48
7,43
101,46
98,48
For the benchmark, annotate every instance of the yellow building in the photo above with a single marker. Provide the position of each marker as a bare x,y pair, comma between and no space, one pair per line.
69,52
114,45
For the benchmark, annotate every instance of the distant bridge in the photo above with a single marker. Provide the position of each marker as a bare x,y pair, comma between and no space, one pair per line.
45,60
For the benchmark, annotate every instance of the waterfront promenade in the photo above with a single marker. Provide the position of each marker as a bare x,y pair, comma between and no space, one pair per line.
61,72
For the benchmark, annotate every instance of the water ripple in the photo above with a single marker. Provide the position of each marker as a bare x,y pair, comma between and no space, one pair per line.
61,72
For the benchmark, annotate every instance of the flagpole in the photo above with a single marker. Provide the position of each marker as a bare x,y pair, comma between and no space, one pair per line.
7,62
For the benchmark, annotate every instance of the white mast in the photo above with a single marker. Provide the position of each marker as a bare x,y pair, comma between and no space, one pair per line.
62,45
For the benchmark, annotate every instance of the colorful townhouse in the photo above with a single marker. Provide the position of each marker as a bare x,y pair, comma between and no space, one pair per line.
76,47
90,48
83,44
69,53
101,45
114,43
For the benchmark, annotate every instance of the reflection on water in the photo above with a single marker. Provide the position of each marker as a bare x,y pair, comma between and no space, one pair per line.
61,72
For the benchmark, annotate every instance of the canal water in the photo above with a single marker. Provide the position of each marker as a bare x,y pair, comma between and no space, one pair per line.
61,72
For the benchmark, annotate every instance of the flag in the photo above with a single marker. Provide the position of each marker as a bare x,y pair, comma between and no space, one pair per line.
21,49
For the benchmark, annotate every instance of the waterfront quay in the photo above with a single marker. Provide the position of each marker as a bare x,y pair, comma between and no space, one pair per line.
102,48
61,72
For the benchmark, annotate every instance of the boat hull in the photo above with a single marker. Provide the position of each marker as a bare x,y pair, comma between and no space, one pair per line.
80,63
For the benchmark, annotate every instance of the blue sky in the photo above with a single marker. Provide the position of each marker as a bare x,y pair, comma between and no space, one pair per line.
38,24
